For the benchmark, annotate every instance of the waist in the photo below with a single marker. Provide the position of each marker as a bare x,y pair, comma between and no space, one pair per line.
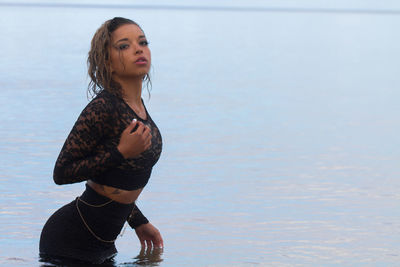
118,195
104,217
124,179
92,197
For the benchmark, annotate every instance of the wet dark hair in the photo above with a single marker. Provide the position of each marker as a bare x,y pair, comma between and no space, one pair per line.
98,61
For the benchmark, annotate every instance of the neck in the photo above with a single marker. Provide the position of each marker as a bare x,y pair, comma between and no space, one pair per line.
132,91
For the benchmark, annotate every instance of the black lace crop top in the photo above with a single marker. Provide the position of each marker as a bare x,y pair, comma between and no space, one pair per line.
90,151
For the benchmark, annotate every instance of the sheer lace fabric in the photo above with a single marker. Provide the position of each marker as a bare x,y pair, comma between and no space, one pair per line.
90,151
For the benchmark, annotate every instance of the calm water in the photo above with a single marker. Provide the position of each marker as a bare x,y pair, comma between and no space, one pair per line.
280,129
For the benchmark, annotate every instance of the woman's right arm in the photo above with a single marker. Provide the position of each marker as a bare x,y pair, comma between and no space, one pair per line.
77,161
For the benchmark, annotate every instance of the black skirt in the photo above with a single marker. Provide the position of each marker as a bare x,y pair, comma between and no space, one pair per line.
84,229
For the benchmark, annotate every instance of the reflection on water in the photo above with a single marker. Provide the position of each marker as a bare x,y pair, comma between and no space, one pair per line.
280,129
58,262
146,257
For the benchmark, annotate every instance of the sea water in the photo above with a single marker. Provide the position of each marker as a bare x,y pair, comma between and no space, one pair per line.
280,129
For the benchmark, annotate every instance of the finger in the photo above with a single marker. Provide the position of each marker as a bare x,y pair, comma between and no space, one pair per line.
146,132
139,127
132,125
148,138
158,242
142,251
146,129
142,243
147,253
147,143
149,244
161,242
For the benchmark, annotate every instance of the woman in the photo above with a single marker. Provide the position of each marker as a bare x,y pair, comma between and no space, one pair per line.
113,146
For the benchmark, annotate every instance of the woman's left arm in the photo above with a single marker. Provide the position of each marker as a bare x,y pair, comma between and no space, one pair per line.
149,236
146,232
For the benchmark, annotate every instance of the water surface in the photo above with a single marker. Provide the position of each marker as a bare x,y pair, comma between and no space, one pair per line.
280,132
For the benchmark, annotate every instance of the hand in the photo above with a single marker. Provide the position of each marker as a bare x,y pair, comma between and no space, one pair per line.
131,144
150,236
149,257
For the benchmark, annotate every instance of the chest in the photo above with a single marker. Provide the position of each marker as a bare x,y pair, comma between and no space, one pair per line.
121,120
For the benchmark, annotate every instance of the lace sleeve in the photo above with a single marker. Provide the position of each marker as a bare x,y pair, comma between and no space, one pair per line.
136,218
78,160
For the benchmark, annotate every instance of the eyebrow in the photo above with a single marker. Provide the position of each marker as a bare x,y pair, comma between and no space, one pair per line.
127,39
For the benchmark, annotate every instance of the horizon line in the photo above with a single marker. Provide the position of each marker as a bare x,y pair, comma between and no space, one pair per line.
211,8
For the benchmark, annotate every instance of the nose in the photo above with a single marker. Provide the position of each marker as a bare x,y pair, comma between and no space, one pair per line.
138,50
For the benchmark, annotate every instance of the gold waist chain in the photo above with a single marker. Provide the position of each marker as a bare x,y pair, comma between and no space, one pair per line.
84,222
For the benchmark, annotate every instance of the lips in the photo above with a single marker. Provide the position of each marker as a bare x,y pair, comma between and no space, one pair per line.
141,60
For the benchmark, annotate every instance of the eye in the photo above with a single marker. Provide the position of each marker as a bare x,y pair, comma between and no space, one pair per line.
144,43
123,46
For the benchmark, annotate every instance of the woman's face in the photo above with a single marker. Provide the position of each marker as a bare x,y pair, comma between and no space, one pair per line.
129,53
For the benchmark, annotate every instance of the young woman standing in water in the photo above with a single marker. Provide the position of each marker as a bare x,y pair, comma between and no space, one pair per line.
113,146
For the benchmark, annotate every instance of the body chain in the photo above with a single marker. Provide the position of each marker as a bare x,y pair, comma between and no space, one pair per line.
84,222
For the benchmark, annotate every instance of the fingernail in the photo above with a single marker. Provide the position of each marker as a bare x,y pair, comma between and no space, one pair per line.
134,120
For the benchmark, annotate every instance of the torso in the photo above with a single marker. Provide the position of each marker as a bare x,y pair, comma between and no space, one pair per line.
116,194
125,114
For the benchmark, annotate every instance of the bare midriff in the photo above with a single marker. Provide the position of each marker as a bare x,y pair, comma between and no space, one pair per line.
116,194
